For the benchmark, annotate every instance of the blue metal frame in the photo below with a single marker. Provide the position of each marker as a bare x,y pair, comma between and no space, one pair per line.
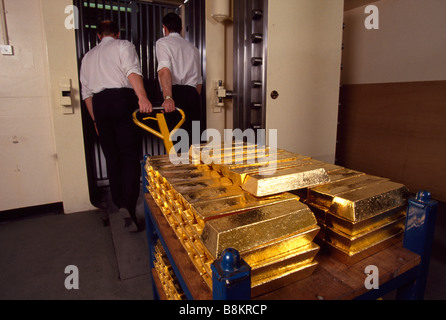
231,275
418,237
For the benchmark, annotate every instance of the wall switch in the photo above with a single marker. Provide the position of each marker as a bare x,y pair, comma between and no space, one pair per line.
6,50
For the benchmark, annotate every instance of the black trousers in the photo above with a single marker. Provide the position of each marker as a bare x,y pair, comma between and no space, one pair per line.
187,99
121,142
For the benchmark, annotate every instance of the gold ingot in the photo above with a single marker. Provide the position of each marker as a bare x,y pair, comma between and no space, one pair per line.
343,174
329,167
361,241
259,161
207,210
172,168
353,228
351,257
199,184
335,173
164,160
284,262
323,195
273,249
285,180
252,228
359,198
320,213
238,174
281,278
211,194
233,147
189,175
234,157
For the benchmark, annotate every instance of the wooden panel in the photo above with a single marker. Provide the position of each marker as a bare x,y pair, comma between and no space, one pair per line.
397,131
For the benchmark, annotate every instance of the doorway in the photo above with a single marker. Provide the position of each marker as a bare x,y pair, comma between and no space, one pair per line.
140,23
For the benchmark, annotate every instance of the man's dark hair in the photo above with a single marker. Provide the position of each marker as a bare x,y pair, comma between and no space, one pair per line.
108,28
173,22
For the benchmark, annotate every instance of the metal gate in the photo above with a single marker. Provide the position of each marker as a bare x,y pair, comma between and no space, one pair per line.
140,23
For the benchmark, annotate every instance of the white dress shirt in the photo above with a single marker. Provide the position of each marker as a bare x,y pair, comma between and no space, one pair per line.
108,65
181,57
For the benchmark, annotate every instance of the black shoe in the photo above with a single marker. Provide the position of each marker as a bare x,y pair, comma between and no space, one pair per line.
129,224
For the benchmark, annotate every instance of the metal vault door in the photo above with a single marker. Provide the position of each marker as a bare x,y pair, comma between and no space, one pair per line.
140,23
287,58
250,44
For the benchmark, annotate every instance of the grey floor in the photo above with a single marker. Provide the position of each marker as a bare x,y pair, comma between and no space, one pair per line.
35,251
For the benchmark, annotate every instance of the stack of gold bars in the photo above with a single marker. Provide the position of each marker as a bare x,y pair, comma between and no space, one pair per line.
258,200
167,277
359,214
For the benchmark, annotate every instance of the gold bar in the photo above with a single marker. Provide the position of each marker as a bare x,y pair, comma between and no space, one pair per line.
208,194
195,149
323,195
207,210
353,228
361,241
285,180
235,156
264,162
262,285
368,202
252,228
351,257
273,249
165,160
171,168
238,174
343,174
284,260
200,153
359,198
189,175
190,186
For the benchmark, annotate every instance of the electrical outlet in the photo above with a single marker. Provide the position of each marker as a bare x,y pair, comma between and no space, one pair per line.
6,50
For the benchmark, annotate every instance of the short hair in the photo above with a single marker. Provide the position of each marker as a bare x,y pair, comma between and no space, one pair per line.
173,22
108,28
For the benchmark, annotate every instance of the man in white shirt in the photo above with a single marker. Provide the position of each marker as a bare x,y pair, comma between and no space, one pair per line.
179,71
112,88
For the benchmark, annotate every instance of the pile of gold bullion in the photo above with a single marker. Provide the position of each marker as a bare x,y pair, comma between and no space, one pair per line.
270,205
210,212
165,273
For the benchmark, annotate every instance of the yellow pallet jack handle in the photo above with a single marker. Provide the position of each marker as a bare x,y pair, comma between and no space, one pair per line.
164,133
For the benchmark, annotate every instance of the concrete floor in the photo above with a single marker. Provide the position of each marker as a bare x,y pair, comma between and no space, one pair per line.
35,252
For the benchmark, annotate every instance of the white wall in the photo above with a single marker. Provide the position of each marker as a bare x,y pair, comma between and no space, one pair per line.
28,160
215,68
42,159
410,44
62,63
